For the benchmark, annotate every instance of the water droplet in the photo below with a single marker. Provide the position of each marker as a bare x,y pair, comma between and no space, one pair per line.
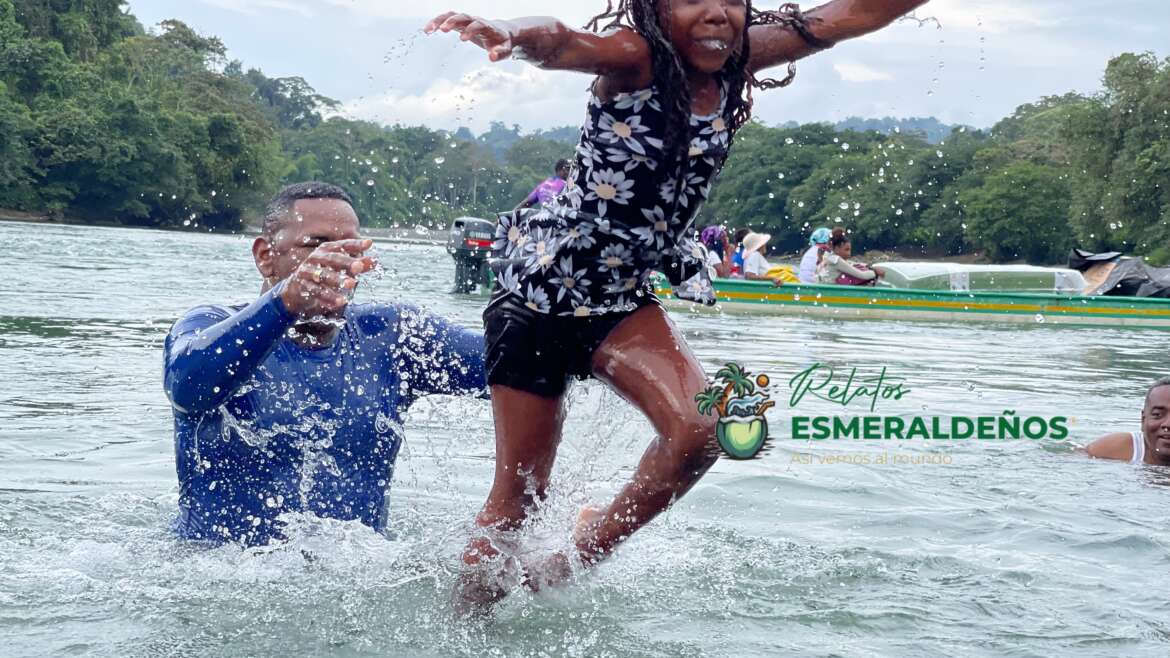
440,160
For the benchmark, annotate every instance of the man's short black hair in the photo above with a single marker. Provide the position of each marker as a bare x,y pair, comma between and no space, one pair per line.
1165,381
282,204
563,164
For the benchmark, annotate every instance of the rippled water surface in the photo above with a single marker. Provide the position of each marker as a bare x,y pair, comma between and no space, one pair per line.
1011,549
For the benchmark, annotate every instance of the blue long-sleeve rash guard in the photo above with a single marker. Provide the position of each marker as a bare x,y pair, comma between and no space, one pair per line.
264,426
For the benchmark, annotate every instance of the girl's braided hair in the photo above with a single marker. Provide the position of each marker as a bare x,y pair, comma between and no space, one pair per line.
670,76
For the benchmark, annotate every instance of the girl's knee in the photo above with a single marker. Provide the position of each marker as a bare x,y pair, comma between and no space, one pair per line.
695,438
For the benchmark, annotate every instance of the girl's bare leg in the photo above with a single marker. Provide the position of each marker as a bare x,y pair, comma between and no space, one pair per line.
648,362
528,430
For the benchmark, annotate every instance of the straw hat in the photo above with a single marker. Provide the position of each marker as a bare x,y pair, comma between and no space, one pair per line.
753,241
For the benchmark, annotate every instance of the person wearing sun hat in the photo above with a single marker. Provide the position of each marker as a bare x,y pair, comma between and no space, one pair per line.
818,245
755,265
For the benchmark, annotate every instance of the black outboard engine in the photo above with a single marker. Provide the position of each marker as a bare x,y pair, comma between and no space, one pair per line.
469,243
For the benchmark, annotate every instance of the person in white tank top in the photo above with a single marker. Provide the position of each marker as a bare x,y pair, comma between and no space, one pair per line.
1150,445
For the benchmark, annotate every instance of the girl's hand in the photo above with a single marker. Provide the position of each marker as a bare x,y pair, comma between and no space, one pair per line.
492,36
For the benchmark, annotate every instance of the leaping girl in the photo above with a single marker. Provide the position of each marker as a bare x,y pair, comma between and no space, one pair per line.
673,83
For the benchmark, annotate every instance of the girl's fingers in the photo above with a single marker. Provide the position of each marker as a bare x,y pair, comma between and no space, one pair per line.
457,22
475,30
437,21
502,51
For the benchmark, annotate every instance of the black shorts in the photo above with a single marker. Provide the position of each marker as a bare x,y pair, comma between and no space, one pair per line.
536,352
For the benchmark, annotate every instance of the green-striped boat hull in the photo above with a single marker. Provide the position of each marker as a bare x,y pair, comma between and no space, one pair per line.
856,302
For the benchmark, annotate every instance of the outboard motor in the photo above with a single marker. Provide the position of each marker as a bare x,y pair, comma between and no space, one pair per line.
469,243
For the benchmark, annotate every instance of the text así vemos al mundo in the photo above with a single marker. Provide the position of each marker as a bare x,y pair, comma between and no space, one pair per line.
1004,427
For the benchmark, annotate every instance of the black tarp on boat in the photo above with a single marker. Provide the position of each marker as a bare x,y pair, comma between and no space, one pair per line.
1111,273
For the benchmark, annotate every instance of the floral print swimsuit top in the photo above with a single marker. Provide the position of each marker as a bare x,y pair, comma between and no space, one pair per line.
592,249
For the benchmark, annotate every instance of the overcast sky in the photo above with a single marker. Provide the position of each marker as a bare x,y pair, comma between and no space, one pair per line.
988,57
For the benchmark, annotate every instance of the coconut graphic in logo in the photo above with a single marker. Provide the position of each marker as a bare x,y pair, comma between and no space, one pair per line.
739,401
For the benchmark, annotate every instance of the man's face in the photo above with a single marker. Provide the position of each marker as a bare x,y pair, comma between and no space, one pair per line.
1156,422
310,224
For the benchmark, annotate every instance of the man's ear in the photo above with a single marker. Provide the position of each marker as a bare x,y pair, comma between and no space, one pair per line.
263,255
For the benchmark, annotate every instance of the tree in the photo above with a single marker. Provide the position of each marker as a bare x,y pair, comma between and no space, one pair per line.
1020,214
1119,146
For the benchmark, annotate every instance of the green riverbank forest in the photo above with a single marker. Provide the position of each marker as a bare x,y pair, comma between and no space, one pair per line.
101,119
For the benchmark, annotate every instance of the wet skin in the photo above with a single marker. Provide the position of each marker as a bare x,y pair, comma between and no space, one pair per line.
645,358
1155,426
317,252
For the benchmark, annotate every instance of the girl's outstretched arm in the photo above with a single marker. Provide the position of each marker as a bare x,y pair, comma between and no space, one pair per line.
619,54
773,45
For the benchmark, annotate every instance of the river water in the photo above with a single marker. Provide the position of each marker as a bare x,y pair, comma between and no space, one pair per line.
1013,548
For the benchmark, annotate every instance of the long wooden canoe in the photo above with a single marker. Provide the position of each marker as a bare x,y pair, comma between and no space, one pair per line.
858,302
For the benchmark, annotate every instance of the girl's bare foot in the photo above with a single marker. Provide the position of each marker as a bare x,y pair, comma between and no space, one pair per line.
585,534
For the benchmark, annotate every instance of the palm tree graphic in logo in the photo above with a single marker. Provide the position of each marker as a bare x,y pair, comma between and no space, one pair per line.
740,403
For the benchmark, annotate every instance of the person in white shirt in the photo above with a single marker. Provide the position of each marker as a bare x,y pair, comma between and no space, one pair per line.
755,265
818,246
836,267
1151,445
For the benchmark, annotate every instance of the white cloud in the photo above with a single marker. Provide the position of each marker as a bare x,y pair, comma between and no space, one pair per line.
512,94
576,12
854,72
992,16
420,11
257,7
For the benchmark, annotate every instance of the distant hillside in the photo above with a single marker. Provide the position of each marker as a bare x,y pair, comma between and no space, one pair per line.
929,128
499,139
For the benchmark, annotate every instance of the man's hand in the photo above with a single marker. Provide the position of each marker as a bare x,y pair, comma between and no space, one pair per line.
320,286
493,36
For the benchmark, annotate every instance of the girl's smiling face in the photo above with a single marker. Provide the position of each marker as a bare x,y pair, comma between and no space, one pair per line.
706,33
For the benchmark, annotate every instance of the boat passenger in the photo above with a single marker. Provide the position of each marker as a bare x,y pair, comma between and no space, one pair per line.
1150,445
549,189
836,267
737,255
818,246
755,264
718,251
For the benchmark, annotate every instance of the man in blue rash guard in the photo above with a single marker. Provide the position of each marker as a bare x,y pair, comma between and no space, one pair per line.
294,402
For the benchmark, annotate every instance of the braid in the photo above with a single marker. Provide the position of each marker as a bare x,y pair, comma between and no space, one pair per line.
669,75
791,16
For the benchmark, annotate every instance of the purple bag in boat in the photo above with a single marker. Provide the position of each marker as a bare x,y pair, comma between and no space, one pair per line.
850,280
